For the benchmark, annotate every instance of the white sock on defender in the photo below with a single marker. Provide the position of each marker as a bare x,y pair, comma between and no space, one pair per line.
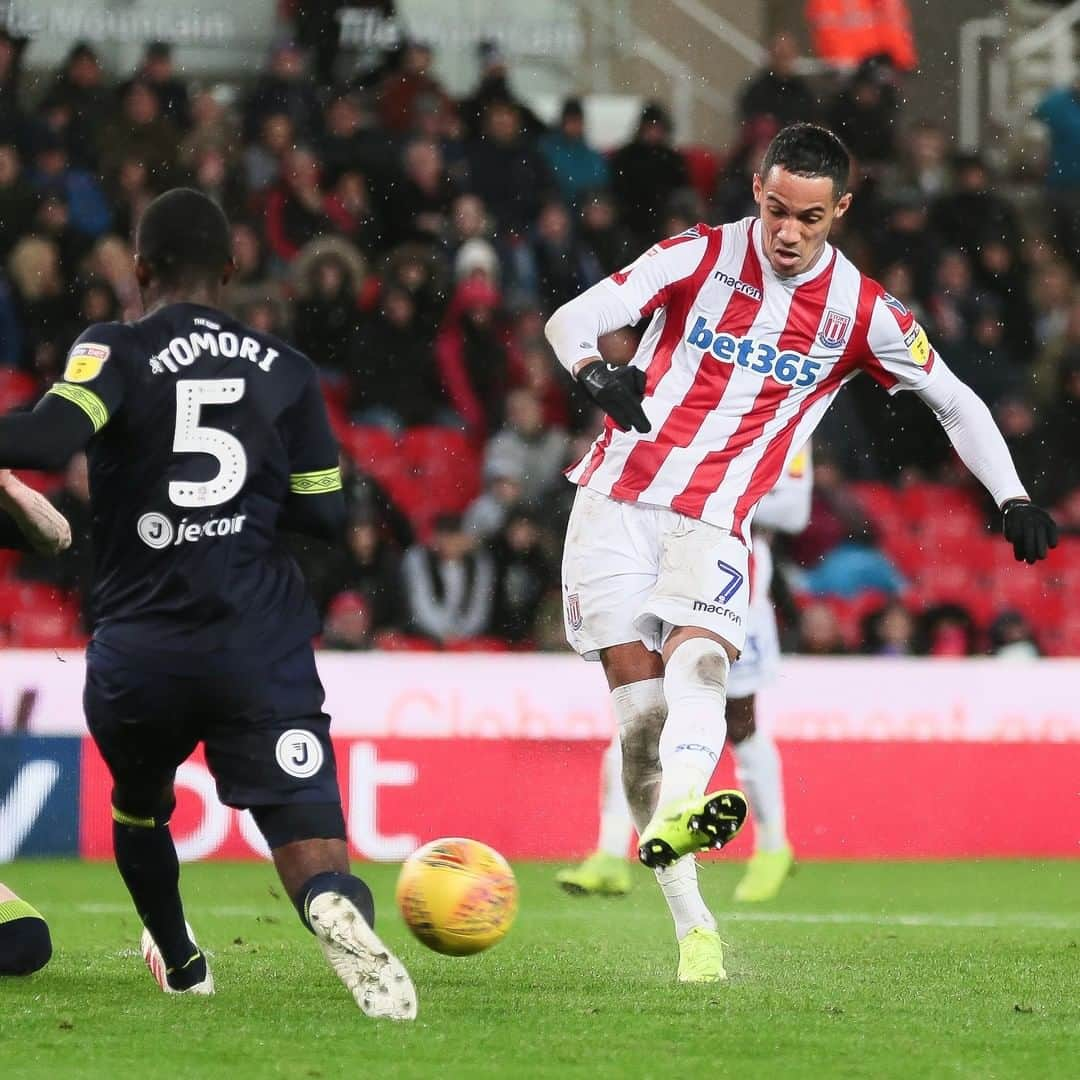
679,884
641,709
757,765
616,828
695,685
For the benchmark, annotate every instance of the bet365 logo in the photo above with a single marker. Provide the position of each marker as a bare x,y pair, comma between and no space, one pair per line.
789,368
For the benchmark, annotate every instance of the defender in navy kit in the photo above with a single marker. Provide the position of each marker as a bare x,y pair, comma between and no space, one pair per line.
205,440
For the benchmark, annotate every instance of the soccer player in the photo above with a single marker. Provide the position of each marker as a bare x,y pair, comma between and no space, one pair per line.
757,761
206,438
25,945
754,327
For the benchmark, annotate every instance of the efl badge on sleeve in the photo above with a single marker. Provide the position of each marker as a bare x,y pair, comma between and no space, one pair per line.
918,345
834,330
85,362
573,611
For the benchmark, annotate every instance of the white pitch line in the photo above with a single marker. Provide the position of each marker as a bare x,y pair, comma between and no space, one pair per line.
1038,920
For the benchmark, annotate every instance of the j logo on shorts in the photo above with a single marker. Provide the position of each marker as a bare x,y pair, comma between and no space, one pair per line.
299,753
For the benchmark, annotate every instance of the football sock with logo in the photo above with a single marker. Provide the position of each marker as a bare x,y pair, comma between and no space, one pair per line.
352,888
757,766
679,884
695,685
615,824
146,859
25,945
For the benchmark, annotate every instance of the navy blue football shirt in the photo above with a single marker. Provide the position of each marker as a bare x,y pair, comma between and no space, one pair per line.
205,430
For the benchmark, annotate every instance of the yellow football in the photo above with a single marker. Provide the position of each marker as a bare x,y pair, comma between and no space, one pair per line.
457,896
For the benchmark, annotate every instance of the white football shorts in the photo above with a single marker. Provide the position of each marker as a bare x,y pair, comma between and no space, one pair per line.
633,572
760,658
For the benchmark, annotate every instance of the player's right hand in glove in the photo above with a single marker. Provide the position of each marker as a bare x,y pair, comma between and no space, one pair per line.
1029,528
618,390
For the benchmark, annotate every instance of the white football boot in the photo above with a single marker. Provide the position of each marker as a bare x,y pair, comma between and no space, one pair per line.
375,977
156,963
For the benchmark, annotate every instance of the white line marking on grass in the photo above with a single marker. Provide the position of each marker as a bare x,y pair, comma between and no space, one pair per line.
976,920
1031,920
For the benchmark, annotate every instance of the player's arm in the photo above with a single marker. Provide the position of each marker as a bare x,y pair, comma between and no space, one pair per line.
74,409
623,299
316,502
29,519
901,357
787,507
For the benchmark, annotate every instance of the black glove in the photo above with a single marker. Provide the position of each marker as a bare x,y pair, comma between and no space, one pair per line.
1029,528
618,390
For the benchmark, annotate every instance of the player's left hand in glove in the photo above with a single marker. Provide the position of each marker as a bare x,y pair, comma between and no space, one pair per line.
618,390
1030,530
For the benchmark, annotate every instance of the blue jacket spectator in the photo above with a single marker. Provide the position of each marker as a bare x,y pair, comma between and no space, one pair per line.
1060,112
575,165
88,209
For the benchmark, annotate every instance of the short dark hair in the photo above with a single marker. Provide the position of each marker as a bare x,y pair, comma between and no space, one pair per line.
809,150
183,235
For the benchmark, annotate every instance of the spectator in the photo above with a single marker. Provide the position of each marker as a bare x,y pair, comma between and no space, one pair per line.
952,302
602,234
972,212
44,307
889,631
734,198
112,259
78,105
404,84
420,270
864,112
215,176
348,625
157,71
539,451
449,584
1012,637
777,92
264,159
1046,372
1018,422
286,89
13,122
1059,432
129,193
88,209
494,87
819,631
506,171
923,165
18,202
488,512
395,380
1052,295
420,203
140,132
575,166
370,566
328,276
212,125
477,260
646,172
352,142
299,209
72,571
523,575
1002,275
250,282
1060,112
473,357
984,360
555,267
367,500
947,630
544,377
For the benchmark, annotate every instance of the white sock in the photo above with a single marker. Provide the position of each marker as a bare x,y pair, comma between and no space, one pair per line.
640,708
695,685
757,765
679,884
616,827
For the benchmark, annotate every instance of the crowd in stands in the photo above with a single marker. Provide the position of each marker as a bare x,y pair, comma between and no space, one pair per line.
413,246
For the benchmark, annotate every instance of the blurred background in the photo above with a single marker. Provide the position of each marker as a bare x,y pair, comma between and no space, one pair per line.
415,186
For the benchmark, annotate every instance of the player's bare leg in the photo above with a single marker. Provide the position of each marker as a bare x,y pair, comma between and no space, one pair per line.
757,765
339,910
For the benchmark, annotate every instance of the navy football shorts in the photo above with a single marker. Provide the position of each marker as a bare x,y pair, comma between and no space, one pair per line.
261,722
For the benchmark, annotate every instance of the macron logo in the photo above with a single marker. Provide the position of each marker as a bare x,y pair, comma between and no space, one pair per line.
739,286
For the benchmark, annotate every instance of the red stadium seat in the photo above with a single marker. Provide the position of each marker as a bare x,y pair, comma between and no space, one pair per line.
19,596
16,388
45,629
704,168
394,641
374,449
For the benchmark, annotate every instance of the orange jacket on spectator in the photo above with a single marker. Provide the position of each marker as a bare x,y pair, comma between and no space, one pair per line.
846,32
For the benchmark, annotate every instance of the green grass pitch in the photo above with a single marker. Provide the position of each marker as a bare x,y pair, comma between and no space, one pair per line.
913,970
